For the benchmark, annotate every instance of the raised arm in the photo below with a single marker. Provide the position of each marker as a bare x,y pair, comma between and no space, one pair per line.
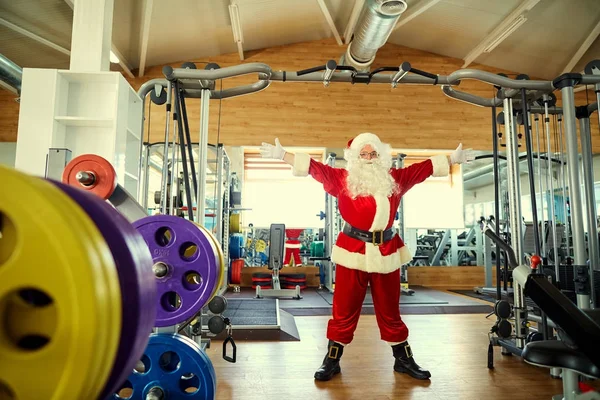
303,165
435,166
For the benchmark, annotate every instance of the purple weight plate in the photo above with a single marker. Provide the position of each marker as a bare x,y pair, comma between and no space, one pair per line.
136,280
186,266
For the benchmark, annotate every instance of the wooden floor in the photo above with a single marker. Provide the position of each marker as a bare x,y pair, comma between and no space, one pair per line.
452,347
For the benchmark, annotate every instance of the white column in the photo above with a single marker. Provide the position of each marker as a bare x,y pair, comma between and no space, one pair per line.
91,35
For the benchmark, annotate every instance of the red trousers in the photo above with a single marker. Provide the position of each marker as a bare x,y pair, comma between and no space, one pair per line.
292,252
350,290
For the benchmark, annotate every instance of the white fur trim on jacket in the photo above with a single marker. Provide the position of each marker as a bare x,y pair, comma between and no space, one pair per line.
440,165
382,212
301,164
405,255
293,245
372,260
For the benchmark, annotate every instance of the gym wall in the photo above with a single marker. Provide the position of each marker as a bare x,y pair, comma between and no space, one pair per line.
8,151
308,114
9,118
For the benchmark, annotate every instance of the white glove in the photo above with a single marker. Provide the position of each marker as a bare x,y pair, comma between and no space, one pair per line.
460,156
269,151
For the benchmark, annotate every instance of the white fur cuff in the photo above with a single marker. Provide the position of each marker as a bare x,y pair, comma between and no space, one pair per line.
301,164
440,165
405,255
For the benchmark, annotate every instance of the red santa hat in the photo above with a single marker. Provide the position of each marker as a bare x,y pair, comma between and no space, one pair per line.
364,139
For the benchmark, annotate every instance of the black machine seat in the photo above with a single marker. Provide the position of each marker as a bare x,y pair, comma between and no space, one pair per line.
556,354
594,314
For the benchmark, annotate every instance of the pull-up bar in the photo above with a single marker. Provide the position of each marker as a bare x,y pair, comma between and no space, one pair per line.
193,82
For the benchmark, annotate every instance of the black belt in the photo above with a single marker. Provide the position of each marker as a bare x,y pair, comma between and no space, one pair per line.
376,237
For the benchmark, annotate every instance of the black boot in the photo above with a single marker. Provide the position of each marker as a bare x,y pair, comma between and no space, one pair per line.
406,363
331,362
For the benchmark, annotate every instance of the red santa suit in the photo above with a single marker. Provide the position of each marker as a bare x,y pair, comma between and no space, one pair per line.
359,263
293,246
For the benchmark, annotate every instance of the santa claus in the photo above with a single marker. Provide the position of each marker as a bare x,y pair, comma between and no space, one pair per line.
368,250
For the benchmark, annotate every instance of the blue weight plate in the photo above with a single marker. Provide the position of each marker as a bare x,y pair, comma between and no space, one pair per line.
174,365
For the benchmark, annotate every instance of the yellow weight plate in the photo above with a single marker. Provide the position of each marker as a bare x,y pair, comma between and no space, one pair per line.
234,223
58,308
98,373
219,250
110,335
105,339
95,375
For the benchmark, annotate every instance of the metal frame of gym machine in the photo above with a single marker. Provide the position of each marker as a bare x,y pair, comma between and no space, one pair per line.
533,90
164,91
218,162
330,234
500,180
404,285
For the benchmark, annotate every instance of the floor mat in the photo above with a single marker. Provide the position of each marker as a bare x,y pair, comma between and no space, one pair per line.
246,312
424,301
414,310
419,297
481,296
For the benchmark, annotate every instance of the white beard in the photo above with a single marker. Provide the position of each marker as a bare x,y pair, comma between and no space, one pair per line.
368,178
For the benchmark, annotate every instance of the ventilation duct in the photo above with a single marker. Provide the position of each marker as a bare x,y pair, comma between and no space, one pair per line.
11,75
375,25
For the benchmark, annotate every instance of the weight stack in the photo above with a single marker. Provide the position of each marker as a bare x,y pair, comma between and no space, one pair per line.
289,281
261,279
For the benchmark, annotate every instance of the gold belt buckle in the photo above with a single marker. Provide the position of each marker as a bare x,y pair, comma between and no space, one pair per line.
374,240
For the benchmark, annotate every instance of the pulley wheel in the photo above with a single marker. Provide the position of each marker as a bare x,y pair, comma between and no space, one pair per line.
159,99
592,68
216,324
504,328
502,309
217,305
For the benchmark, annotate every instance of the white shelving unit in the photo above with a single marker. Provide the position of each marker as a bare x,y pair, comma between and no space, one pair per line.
97,113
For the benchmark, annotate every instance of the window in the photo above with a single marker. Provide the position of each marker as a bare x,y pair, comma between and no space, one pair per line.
274,195
437,202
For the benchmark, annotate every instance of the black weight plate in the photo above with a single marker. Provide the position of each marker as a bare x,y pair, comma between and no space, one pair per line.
261,275
293,276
